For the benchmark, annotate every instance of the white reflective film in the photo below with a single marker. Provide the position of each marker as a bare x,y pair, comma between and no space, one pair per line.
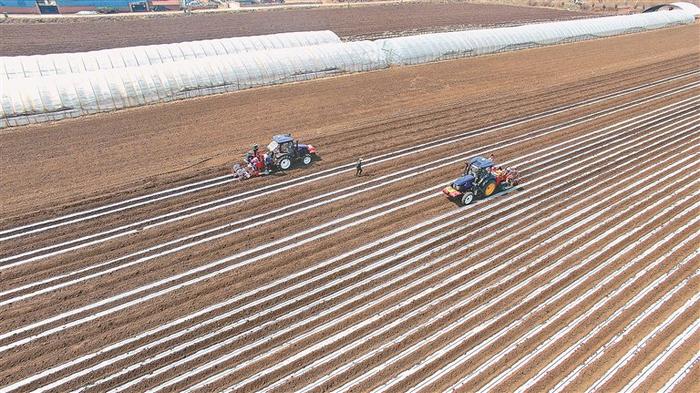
42,65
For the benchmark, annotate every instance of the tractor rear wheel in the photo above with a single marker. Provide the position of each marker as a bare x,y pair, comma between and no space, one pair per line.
489,188
285,163
467,198
306,160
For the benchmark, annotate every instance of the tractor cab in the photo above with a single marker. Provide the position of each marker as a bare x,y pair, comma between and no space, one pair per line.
478,175
479,168
476,171
282,144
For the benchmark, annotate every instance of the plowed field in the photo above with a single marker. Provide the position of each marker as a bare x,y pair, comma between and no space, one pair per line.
583,277
372,21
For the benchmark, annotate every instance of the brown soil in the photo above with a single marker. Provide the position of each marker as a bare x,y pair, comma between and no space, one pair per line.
149,147
236,242
450,121
691,382
221,288
686,352
390,114
84,34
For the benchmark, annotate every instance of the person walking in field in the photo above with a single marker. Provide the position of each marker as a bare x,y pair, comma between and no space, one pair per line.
358,168
268,162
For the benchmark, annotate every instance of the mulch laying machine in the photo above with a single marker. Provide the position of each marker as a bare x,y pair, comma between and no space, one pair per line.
282,153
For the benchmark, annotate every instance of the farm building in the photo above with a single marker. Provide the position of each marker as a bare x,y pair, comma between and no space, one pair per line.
73,6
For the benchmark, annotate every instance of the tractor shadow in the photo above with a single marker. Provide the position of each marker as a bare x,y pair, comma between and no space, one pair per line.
502,194
296,168
456,202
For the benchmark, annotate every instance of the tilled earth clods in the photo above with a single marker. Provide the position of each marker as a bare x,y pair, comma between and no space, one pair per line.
585,276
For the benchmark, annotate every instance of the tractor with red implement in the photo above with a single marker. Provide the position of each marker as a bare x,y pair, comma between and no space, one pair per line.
480,180
283,152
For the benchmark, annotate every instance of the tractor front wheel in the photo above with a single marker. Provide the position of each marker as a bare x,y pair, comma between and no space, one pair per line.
306,160
467,198
285,163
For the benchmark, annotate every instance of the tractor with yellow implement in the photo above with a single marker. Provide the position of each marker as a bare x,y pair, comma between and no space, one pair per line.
480,180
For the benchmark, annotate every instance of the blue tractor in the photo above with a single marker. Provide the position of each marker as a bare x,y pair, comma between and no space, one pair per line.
480,180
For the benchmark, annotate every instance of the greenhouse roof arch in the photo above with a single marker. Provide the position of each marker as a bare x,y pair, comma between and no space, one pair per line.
13,67
425,48
47,98
681,5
